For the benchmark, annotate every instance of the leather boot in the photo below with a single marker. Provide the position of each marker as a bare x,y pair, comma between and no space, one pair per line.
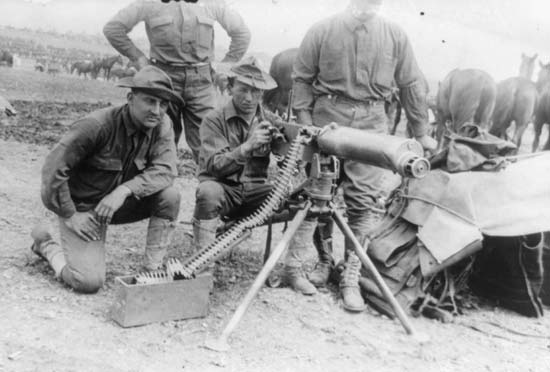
322,239
204,234
349,285
294,277
159,238
46,248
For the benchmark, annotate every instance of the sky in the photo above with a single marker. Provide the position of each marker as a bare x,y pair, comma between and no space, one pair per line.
486,34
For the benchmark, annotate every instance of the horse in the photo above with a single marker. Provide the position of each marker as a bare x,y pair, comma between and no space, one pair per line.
516,101
83,68
6,58
277,99
527,66
542,110
120,72
464,96
107,63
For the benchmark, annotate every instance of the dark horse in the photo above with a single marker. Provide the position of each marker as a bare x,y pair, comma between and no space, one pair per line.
516,101
465,97
83,68
277,99
6,58
107,63
542,111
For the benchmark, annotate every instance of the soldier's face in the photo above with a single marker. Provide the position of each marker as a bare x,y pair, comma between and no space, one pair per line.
245,97
365,9
146,110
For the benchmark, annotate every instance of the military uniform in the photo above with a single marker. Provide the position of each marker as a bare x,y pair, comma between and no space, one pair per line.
344,72
181,36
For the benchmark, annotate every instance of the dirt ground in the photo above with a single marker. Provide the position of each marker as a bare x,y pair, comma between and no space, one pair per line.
46,327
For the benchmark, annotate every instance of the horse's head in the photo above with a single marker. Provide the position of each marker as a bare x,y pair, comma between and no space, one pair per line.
119,60
527,65
544,74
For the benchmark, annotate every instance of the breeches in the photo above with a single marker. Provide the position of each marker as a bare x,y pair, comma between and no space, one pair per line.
216,199
85,269
363,184
195,86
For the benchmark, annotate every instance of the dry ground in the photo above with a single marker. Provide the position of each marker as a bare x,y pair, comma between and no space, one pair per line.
46,327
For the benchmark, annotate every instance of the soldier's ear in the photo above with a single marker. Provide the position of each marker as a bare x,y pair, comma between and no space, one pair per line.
130,96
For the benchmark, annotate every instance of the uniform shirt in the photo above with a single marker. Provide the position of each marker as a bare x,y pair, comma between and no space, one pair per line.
179,33
360,61
103,151
223,131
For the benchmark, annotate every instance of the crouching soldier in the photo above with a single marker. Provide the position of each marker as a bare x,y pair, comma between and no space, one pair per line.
115,166
233,164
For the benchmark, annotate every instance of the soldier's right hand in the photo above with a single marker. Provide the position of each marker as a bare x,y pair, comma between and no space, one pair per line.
259,135
142,62
84,225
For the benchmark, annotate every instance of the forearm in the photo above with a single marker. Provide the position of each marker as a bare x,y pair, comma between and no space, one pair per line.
117,35
226,162
413,100
240,41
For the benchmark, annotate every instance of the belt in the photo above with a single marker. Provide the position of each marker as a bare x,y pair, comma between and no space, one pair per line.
342,99
179,66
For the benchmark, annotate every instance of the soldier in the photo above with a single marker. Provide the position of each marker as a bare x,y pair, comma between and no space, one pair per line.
116,165
181,35
343,73
233,165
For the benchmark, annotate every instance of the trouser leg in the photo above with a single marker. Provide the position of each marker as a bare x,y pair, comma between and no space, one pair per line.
85,268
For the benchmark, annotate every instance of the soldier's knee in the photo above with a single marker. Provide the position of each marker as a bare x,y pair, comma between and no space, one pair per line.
168,201
209,196
89,283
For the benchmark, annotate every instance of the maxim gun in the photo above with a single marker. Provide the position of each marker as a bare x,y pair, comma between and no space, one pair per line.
322,148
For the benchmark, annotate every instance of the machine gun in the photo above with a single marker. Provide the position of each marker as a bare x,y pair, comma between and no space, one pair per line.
322,147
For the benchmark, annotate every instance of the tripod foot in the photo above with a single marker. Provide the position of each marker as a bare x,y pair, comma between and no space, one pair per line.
219,344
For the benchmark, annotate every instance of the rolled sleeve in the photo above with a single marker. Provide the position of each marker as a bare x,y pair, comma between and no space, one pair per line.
161,169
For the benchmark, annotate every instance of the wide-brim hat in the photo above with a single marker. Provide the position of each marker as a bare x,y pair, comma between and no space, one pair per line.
248,71
154,81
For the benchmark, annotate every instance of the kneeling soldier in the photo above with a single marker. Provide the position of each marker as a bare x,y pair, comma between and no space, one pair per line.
116,165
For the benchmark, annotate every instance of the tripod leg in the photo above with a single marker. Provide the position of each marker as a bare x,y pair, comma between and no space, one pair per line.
365,260
220,344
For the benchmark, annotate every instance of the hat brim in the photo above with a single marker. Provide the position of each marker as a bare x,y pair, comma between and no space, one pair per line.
162,93
266,84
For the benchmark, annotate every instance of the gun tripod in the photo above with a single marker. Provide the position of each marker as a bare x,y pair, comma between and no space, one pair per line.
318,195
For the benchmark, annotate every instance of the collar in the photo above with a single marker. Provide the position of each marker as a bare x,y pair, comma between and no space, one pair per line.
231,112
353,23
131,127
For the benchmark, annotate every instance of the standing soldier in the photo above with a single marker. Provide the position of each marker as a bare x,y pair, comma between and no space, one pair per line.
181,35
343,73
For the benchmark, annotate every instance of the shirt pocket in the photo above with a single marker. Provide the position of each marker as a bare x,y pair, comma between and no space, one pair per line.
385,69
205,35
331,64
162,30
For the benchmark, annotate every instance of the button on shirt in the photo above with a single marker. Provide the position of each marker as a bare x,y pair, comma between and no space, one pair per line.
102,151
223,131
179,33
360,61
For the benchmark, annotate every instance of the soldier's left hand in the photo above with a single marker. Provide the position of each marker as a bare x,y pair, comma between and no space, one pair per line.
428,144
110,204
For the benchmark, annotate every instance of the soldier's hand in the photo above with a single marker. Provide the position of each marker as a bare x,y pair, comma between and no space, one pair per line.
428,144
111,203
142,62
259,136
84,225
